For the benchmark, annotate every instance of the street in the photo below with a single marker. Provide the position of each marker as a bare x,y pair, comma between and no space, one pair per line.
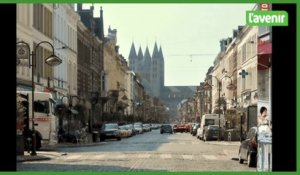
150,151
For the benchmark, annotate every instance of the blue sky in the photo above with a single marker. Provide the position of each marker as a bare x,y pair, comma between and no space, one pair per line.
188,33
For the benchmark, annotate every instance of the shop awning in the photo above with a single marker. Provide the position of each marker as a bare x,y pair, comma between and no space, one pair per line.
264,52
264,47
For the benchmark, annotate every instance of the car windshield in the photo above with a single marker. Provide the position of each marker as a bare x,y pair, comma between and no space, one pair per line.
123,127
111,126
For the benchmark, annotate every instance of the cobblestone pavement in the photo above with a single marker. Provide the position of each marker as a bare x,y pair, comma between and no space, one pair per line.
147,152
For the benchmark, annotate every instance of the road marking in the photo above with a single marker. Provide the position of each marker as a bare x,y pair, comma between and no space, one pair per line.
144,156
211,157
165,156
73,157
187,157
98,157
122,156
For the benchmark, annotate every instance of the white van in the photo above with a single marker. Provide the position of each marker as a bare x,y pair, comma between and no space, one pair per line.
209,119
45,120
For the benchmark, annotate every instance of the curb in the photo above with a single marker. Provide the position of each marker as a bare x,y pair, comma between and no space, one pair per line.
53,148
225,143
31,158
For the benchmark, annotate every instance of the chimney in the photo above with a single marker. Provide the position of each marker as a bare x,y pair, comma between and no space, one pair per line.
235,33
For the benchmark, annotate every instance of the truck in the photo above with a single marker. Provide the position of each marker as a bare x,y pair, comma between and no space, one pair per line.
209,119
45,119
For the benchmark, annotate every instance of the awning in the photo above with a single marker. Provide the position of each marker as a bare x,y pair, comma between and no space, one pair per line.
264,51
264,62
264,47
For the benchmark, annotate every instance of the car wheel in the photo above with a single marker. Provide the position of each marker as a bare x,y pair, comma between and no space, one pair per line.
161,132
241,161
119,138
250,161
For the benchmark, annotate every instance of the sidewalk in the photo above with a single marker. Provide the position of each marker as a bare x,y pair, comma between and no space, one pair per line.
232,143
39,157
23,158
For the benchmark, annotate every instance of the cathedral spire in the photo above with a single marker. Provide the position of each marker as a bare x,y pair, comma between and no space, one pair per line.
147,56
155,52
132,53
161,56
140,54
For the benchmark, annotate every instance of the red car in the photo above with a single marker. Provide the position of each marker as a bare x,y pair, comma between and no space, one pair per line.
181,128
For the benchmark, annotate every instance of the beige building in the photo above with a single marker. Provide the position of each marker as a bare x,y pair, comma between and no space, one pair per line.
115,68
247,62
34,25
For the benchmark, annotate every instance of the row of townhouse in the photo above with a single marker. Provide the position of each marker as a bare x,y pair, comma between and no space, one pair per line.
240,79
93,78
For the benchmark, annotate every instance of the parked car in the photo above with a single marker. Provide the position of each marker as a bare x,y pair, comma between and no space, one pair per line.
166,128
194,129
131,127
181,128
154,126
212,133
138,128
248,148
146,127
124,131
110,131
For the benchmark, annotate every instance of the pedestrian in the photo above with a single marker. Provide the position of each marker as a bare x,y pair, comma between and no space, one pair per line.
264,139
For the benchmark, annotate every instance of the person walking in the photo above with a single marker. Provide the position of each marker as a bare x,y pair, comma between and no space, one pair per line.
264,138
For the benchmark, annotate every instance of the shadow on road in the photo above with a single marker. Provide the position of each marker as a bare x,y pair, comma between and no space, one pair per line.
75,167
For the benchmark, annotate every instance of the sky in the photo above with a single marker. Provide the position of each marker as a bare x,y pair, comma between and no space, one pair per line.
189,34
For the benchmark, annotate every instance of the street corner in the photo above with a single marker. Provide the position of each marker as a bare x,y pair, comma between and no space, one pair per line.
25,158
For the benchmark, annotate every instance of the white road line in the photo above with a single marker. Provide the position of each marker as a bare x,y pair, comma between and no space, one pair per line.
165,156
73,157
211,157
122,156
188,157
97,157
144,156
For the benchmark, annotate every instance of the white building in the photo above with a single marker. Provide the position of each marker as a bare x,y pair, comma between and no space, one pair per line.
130,92
34,25
65,21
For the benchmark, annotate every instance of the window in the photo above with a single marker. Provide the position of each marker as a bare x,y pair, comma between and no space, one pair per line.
209,122
41,106
244,54
263,30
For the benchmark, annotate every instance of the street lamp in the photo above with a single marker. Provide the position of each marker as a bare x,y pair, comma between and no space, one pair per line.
231,86
23,52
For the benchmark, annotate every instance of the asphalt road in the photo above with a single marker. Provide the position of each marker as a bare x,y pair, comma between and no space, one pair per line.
150,151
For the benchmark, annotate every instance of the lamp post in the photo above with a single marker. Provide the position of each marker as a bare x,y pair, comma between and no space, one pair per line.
231,86
23,52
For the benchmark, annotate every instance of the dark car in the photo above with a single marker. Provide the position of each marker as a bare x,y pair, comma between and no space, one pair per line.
110,131
166,129
194,129
211,132
248,148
